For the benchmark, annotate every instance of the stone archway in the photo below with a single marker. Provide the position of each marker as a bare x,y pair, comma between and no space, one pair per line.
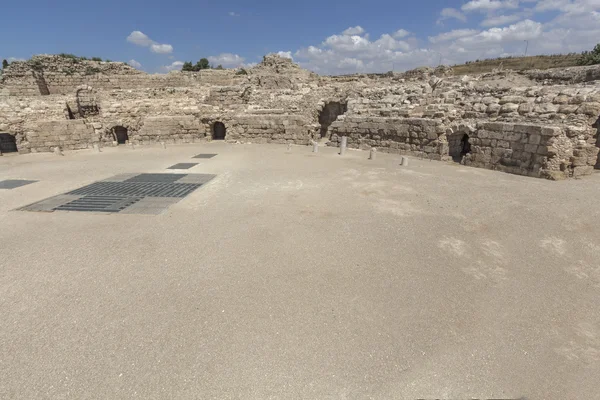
330,112
121,134
8,143
458,145
219,131
86,102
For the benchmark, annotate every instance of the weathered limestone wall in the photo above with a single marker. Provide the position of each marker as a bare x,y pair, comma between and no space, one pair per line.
170,129
533,150
411,136
537,124
68,134
269,129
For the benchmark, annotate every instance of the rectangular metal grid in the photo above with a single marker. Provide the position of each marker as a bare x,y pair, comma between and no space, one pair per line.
156,178
14,183
183,166
204,156
109,204
137,189
126,194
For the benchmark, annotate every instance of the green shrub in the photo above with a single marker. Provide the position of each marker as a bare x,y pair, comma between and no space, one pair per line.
96,59
590,57
202,64
68,55
4,64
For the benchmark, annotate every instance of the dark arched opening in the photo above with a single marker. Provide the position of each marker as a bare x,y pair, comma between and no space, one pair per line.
8,143
329,114
459,146
219,131
121,134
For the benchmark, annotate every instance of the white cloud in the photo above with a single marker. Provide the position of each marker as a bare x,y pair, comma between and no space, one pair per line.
233,14
455,34
161,48
134,64
285,54
141,39
451,13
524,30
489,5
357,30
175,66
500,20
11,59
400,33
227,60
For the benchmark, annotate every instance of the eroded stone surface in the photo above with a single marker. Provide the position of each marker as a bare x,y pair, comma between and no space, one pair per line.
536,123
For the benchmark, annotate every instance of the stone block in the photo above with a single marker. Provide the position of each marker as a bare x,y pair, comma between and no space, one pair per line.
531,148
592,109
509,108
568,108
535,139
561,99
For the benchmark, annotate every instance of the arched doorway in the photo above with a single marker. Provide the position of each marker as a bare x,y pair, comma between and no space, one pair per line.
8,143
219,131
121,134
329,114
459,146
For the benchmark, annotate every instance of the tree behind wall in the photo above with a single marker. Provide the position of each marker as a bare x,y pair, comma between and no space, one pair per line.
590,57
4,64
200,65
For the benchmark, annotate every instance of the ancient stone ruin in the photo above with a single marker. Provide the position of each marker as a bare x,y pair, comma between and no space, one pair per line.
534,123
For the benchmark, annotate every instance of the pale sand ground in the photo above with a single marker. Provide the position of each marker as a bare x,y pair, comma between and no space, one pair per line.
300,276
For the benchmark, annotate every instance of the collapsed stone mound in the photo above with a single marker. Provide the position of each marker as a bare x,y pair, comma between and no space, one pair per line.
536,123
69,66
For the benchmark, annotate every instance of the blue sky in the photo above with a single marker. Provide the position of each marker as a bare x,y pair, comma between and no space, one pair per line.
325,36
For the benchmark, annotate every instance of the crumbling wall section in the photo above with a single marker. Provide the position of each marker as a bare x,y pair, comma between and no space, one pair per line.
410,136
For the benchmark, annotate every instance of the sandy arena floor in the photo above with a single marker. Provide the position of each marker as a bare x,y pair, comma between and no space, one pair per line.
300,276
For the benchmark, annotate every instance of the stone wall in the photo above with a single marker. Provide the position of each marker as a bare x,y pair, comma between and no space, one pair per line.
538,123
66,134
265,128
410,136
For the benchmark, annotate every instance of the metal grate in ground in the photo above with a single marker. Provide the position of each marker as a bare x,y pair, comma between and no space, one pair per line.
137,189
204,156
183,166
99,204
126,194
156,178
14,183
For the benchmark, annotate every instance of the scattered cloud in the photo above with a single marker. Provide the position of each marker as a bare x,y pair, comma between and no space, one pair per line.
489,5
400,33
161,48
451,13
174,66
134,64
141,39
11,59
285,54
357,30
227,60
455,34
500,20
233,14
